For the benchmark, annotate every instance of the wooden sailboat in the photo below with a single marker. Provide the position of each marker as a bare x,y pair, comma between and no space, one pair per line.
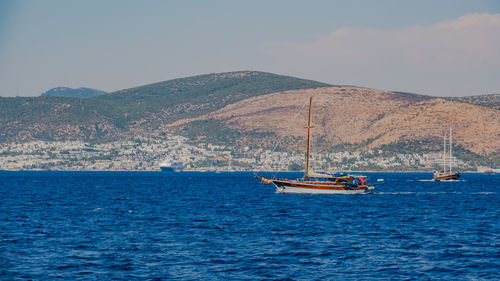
444,175
322,183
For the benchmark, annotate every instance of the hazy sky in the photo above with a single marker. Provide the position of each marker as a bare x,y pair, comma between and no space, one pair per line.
440,48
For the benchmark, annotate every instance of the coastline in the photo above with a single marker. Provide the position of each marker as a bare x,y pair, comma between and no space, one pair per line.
232,171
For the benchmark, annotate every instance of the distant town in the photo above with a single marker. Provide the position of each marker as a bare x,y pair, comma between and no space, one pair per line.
145,154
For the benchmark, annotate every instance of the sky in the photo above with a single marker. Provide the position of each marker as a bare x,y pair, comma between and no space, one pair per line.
438,47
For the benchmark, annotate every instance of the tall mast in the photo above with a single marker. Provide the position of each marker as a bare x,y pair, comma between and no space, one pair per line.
444,153
308,134
450,150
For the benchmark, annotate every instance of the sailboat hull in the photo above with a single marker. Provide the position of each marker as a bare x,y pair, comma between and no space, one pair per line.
446,177
317,188
296,190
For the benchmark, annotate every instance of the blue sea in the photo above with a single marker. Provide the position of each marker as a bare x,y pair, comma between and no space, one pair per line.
229,226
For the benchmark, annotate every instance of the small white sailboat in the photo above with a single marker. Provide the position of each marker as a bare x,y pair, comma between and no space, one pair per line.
446,175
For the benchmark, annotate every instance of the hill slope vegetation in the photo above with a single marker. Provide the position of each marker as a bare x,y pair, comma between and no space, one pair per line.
81,93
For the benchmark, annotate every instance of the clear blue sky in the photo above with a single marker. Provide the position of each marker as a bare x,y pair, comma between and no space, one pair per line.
441,48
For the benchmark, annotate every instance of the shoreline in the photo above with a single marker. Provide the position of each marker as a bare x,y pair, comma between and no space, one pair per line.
233,171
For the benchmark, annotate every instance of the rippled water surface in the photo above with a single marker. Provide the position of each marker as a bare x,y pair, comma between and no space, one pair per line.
198,226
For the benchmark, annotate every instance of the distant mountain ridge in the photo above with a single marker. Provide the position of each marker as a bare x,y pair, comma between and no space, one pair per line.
492,101
81,93
251,108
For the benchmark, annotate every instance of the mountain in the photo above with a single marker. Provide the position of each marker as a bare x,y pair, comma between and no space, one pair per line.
254,109
82,93
347,116
137,110
176,99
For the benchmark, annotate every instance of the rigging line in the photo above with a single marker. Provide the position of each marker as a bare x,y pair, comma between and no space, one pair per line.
287,130
310,148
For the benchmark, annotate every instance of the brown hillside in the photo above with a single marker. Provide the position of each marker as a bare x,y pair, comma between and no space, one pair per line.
355,115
